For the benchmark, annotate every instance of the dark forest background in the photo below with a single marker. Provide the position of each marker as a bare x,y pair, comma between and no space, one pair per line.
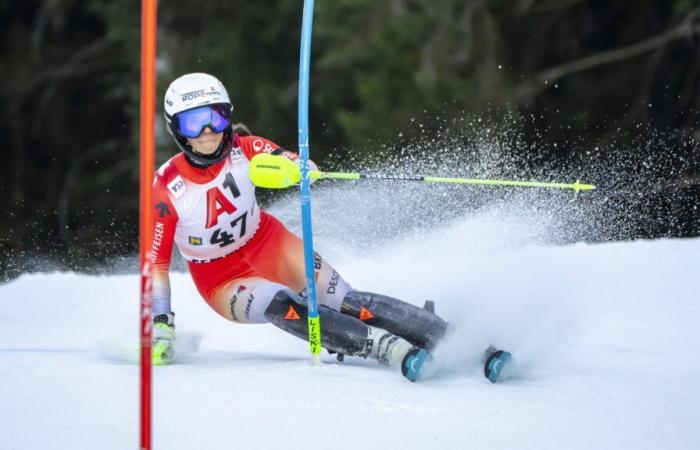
590,73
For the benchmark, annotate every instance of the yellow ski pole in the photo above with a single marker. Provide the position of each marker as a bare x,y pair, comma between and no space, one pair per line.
278,172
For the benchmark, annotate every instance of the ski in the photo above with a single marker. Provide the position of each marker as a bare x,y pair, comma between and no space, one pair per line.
495,363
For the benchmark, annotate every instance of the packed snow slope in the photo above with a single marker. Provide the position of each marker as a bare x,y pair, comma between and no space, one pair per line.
605,340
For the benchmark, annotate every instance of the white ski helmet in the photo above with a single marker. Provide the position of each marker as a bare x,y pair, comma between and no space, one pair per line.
191,91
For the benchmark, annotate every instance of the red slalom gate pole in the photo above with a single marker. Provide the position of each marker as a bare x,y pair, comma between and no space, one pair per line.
149,26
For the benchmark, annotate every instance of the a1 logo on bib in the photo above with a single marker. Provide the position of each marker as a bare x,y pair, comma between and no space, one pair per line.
217,203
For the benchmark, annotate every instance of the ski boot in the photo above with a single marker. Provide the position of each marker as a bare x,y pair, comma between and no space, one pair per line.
495,361
394,351
414,363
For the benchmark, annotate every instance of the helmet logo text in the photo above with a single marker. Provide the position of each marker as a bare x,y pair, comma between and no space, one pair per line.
193,95
189,96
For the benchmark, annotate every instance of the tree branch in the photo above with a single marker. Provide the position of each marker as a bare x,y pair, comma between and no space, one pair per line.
539,82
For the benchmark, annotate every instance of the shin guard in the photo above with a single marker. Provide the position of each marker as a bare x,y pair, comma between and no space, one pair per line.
339,333
419,326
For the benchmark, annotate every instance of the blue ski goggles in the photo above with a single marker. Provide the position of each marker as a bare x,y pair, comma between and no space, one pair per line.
191,123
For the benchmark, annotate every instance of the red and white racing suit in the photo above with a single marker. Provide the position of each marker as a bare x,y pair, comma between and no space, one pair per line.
238,255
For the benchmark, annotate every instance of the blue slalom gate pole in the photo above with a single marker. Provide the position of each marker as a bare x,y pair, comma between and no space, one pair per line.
305,185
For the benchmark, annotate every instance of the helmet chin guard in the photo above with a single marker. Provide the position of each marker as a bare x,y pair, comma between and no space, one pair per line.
192,91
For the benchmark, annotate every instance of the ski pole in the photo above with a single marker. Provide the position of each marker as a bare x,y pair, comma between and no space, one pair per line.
277,172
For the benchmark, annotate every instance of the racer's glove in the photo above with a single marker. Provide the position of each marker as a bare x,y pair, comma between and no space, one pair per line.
163,350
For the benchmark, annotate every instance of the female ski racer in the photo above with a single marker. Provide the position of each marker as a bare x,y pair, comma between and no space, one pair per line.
246,265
